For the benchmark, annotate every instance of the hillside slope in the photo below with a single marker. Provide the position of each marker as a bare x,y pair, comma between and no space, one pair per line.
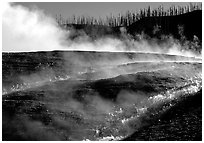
191,23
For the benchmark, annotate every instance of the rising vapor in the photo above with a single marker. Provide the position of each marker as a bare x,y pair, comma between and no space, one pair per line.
26,30
29,30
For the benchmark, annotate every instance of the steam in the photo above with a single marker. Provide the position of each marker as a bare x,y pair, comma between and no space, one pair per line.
26,30
29,30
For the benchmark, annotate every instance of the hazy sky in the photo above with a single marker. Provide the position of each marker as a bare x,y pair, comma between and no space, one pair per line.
95,9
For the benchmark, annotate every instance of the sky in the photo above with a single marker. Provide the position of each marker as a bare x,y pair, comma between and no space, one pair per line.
94,9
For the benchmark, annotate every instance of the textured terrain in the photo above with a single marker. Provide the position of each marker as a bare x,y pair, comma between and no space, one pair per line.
101,96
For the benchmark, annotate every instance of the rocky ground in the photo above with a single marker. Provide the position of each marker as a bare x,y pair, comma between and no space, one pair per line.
134,99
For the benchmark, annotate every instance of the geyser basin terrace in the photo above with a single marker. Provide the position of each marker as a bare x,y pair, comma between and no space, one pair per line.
72,95
42,67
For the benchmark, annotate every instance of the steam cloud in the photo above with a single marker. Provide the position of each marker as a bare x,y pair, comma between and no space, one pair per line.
26,30
29,30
